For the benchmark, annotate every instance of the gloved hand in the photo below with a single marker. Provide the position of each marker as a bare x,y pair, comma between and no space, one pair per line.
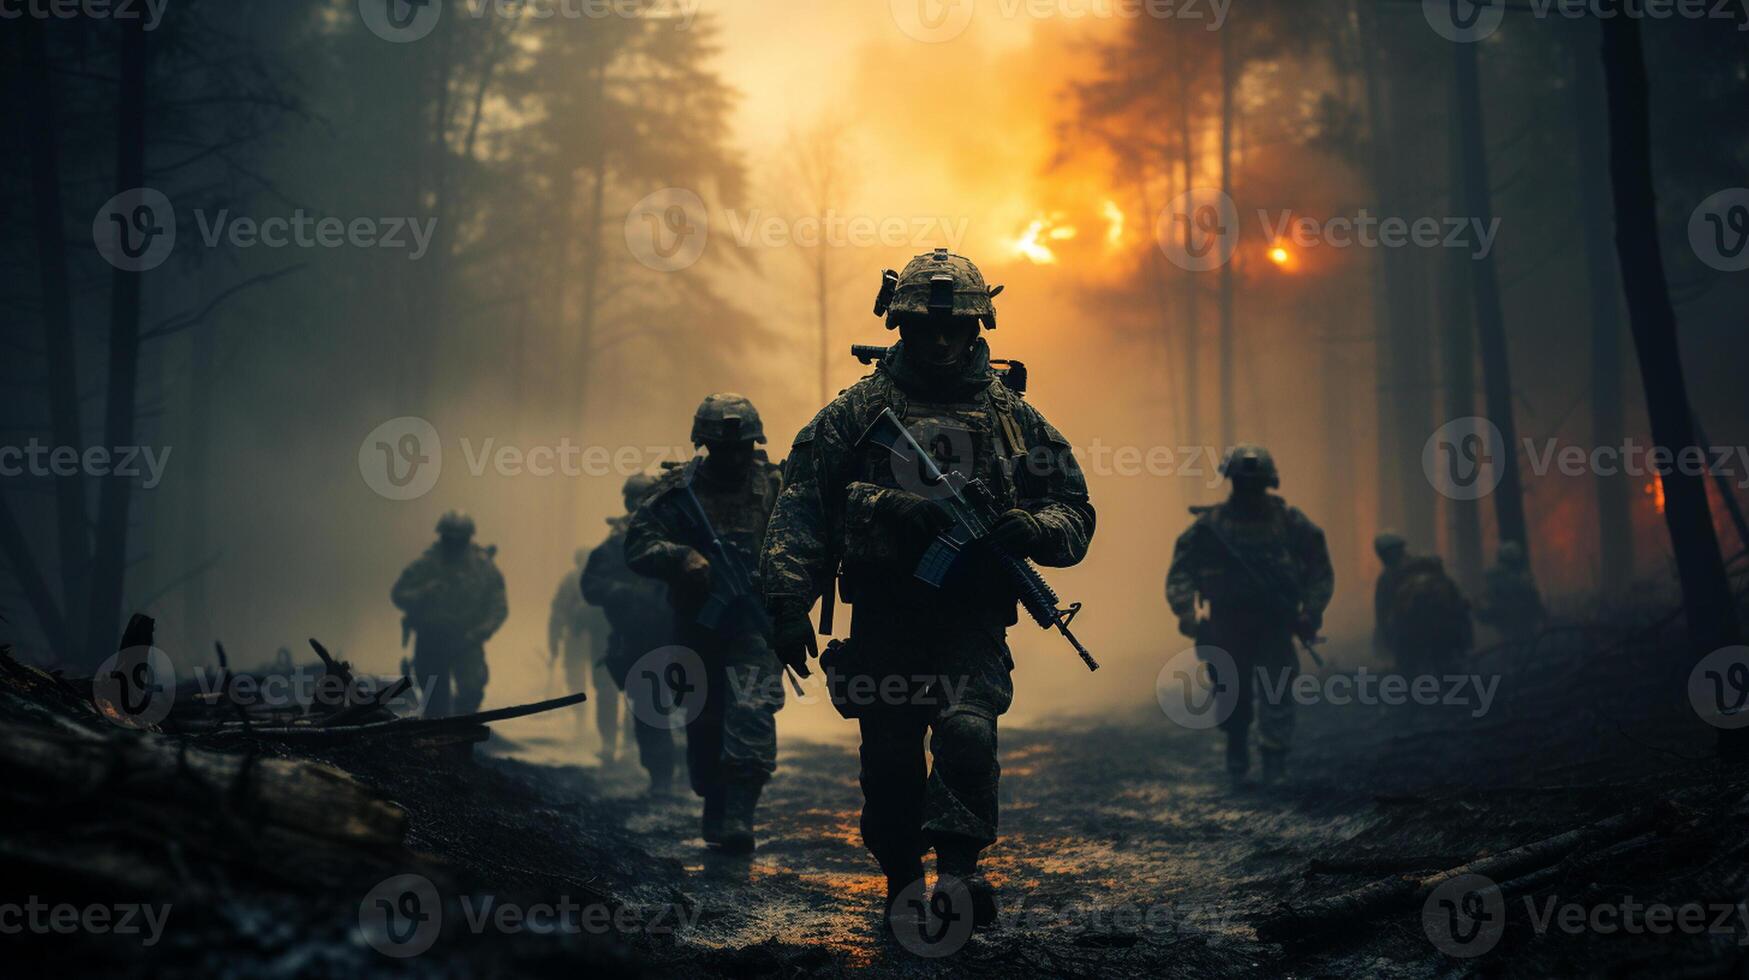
692,581
914,521
792,633
1016,532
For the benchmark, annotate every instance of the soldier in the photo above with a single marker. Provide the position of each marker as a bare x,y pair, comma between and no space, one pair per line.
1264,570
638,612
845,501
731,744
453,597
1511,603
1423,619
579,631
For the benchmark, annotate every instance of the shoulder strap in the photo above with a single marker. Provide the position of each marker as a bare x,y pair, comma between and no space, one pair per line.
1002,401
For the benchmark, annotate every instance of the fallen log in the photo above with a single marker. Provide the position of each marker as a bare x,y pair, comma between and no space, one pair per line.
1316,919
401,727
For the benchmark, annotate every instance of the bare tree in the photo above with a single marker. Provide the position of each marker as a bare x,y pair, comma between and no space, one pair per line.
822,175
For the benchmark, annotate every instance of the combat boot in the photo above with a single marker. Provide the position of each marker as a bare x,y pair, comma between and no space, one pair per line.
898,880
1238,757
740,798
958,861
712,825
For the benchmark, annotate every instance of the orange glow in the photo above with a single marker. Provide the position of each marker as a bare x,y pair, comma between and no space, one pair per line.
1113,223
1655,490
1278,255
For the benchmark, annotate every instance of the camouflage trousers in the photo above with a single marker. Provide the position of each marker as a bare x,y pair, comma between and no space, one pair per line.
1266,664
582,669
907,806
734,737
439,657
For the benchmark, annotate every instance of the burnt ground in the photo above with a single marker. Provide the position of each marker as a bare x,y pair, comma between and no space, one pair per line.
1124,851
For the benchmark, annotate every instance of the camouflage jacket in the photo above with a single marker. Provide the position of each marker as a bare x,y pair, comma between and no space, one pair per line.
1510,599
1423,605
836,491
1280,544
636,607
462,596
738,513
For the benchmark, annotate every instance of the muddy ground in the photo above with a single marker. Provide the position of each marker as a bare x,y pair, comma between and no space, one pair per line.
1125,850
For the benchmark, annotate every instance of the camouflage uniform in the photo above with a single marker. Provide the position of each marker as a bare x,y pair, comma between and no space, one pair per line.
1511,603
731,745
1425,621
579,631
638,612
453,597
1256,626
839,504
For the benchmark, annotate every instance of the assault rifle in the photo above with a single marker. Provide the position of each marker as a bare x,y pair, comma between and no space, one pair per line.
974,511
1271,589
732,605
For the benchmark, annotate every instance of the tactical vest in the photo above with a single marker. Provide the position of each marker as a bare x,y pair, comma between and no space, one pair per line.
740,514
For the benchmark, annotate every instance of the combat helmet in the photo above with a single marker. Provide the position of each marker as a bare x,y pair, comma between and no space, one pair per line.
1386,543
456,524
726,417
936,282
1249,461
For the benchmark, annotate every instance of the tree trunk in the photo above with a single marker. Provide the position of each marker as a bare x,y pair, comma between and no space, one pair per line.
109,564
1229,81
1458,331
1615,535
1192,330
1490,320
1706,592
51,252
1385,286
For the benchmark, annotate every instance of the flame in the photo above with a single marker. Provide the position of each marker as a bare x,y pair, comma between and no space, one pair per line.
1278,255
1655,490
1029,245
1113,222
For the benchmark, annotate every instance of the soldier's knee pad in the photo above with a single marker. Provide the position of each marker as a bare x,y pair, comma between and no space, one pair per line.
964,742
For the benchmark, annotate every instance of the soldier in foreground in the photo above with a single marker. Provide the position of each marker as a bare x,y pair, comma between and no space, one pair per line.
1511,603
1423,619
851,502
1264,570
452,596
578,631
641,621
719,502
